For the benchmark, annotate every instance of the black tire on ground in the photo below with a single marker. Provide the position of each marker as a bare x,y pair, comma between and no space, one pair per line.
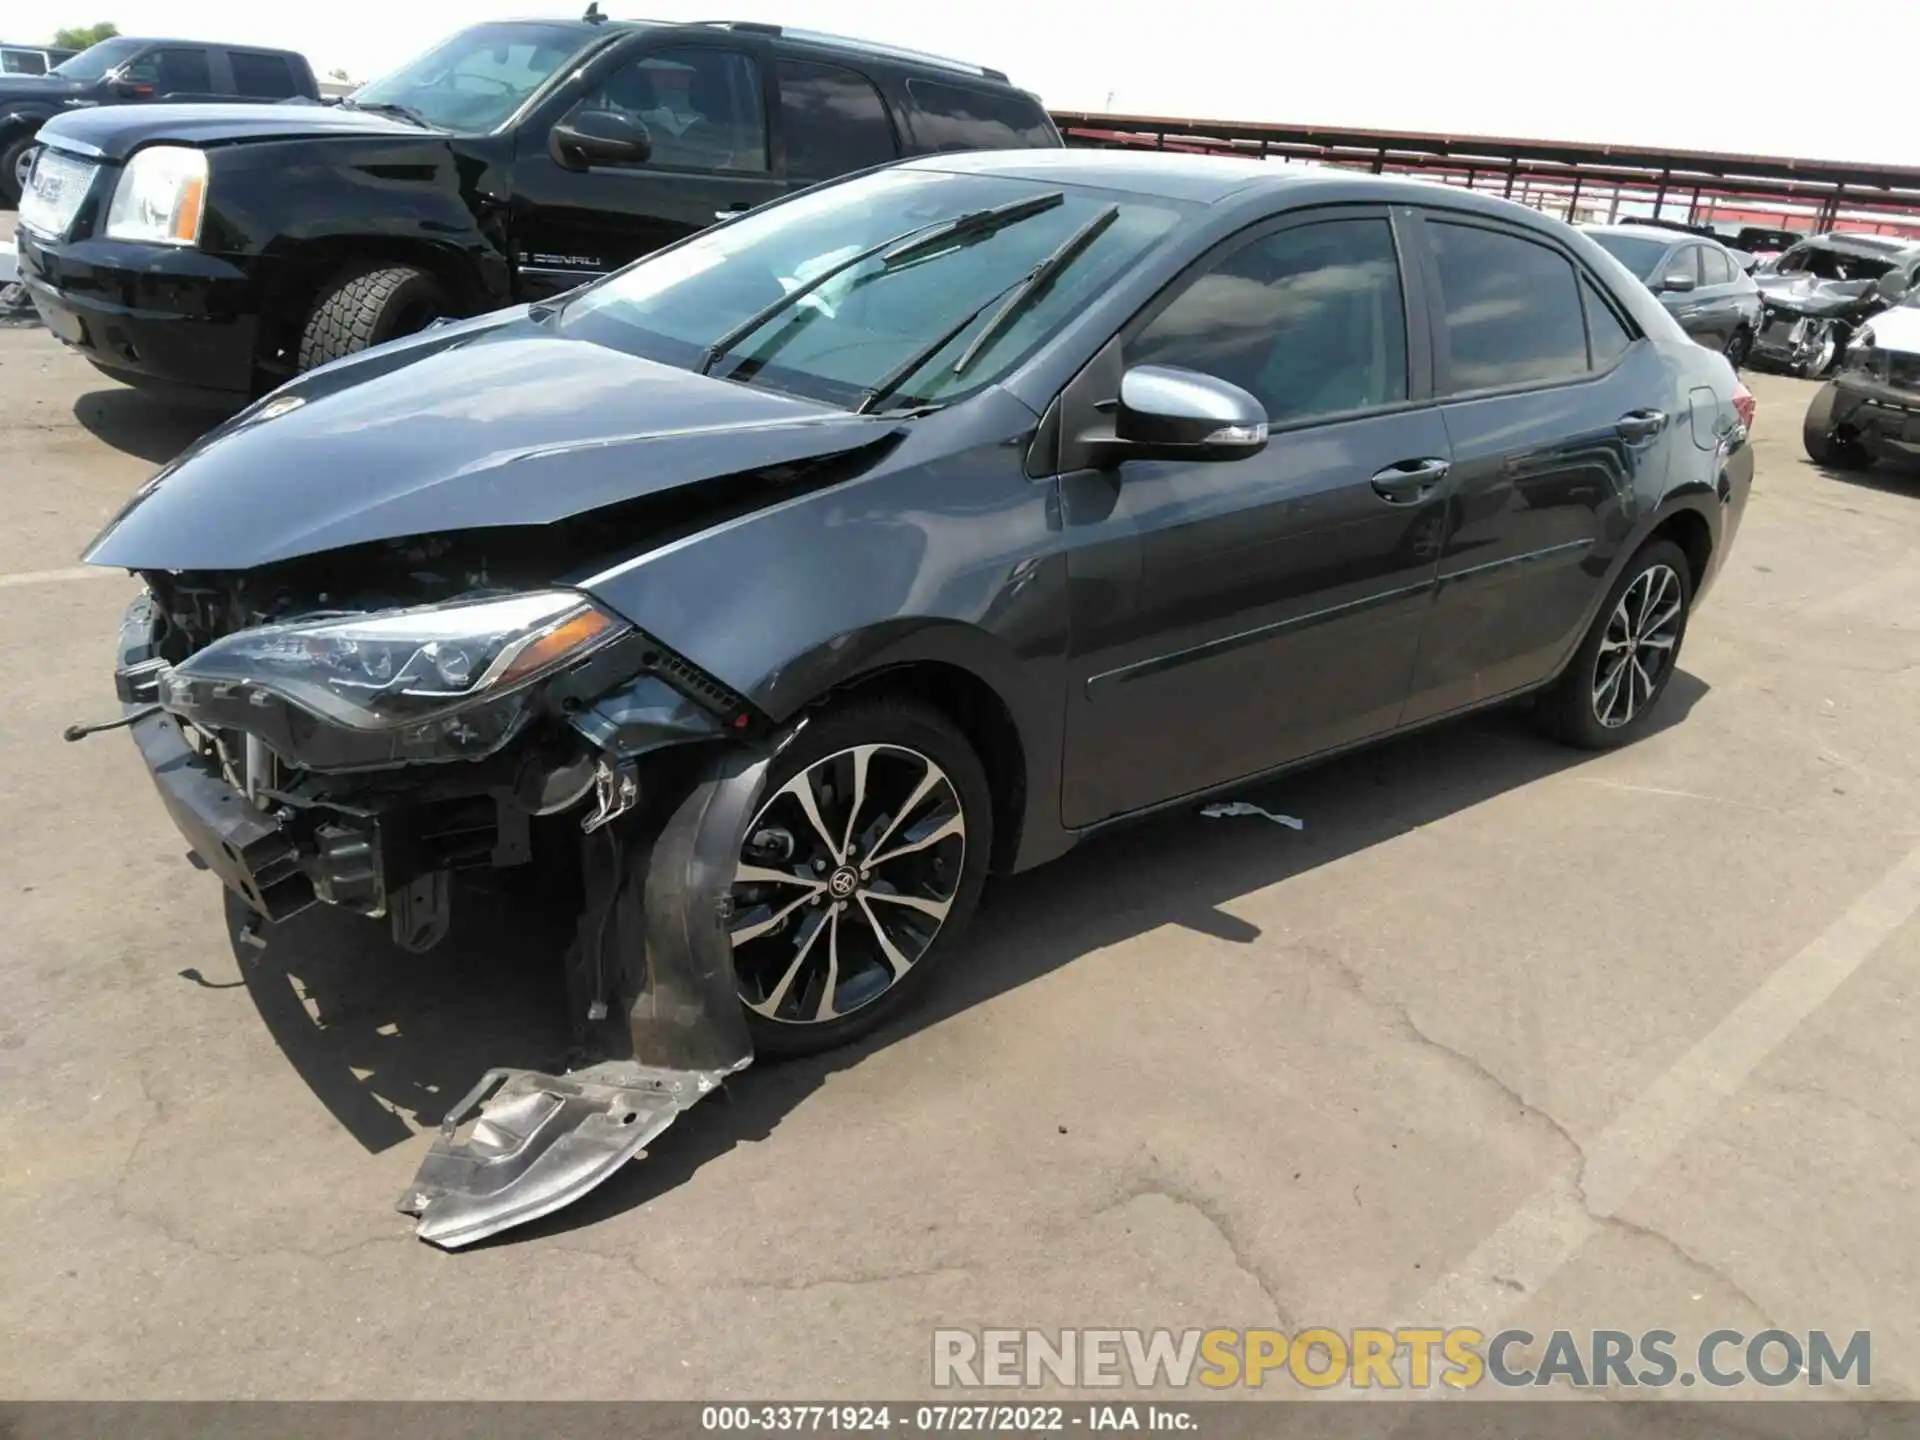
1569,710
897,725
1739,346
362,308
1826,445
12,147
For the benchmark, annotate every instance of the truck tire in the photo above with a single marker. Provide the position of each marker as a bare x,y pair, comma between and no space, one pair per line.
365,307
13,149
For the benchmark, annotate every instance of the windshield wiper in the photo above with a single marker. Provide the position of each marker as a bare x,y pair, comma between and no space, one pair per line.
387,107
1029,287
976,224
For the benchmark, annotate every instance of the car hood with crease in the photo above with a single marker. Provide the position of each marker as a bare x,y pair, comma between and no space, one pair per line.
565,427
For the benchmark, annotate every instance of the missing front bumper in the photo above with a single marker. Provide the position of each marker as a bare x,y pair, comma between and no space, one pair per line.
542,1141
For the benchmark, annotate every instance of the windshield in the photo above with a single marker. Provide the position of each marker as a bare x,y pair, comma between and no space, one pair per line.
854,332
1639,253
96,60
1824,264
474,79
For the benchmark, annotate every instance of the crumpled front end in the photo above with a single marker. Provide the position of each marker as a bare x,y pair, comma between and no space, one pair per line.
312,751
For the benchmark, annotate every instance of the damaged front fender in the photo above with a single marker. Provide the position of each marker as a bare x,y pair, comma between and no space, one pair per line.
540,1142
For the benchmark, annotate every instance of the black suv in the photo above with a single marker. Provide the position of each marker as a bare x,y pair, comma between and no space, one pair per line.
125,69
513,161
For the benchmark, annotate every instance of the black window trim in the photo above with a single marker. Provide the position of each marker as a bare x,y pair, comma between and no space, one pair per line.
1443,360
1421,392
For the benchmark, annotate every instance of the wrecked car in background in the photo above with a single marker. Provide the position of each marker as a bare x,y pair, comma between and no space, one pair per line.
918,525
1871,410
1817,294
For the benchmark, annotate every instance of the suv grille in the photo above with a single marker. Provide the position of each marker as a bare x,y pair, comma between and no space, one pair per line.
54,191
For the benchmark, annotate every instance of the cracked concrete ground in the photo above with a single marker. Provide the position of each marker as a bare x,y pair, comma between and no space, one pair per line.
1205,1073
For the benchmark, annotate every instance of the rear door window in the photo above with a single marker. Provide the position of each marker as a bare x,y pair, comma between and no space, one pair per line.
267,77
959,117
833,120
1511,310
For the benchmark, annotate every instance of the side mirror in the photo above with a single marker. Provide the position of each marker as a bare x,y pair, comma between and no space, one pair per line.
1891,287
1168,413
133,89
599,137
1677,283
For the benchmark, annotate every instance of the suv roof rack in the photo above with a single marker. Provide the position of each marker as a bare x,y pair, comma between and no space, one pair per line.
870,47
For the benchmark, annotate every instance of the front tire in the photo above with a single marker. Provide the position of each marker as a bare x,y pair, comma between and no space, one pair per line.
1825,444
364,308
857,874
16,160
1608,694
1739,346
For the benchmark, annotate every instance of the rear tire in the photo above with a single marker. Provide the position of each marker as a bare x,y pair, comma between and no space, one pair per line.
1825,445
919,785
363,308
1607,696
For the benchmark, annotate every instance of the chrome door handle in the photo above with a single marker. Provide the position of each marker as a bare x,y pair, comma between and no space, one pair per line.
1408,481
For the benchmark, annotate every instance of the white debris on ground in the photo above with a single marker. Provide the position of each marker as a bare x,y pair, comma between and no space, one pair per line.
1227,809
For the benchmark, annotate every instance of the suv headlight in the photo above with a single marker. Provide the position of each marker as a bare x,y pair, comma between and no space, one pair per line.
440,682
161,198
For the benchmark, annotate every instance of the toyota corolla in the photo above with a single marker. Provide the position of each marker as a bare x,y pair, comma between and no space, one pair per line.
784,585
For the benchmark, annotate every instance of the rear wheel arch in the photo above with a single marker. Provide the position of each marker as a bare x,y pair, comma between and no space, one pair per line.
1688,529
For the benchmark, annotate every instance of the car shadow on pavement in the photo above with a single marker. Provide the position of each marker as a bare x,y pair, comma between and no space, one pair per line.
1885,476
155,428
389,1041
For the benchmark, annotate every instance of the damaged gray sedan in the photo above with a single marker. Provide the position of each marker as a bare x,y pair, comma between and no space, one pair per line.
777,588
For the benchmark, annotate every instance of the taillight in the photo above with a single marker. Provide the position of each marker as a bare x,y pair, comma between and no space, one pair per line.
1743,404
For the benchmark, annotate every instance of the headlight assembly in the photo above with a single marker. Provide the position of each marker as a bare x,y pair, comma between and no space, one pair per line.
440,682
161,198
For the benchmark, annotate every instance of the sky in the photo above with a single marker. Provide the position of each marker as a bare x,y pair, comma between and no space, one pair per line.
1648,72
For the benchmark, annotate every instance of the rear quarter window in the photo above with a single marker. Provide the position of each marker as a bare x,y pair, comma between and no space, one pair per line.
267,76
960,117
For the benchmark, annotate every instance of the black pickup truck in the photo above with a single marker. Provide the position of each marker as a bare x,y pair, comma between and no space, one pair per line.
126,70
228,248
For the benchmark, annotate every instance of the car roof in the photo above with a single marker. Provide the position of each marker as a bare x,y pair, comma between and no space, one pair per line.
1646,232
1201,178
790,37
198,44
1877,247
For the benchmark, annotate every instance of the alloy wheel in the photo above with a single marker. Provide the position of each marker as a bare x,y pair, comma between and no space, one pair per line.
1636,653
844,880
22,168
1822,358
